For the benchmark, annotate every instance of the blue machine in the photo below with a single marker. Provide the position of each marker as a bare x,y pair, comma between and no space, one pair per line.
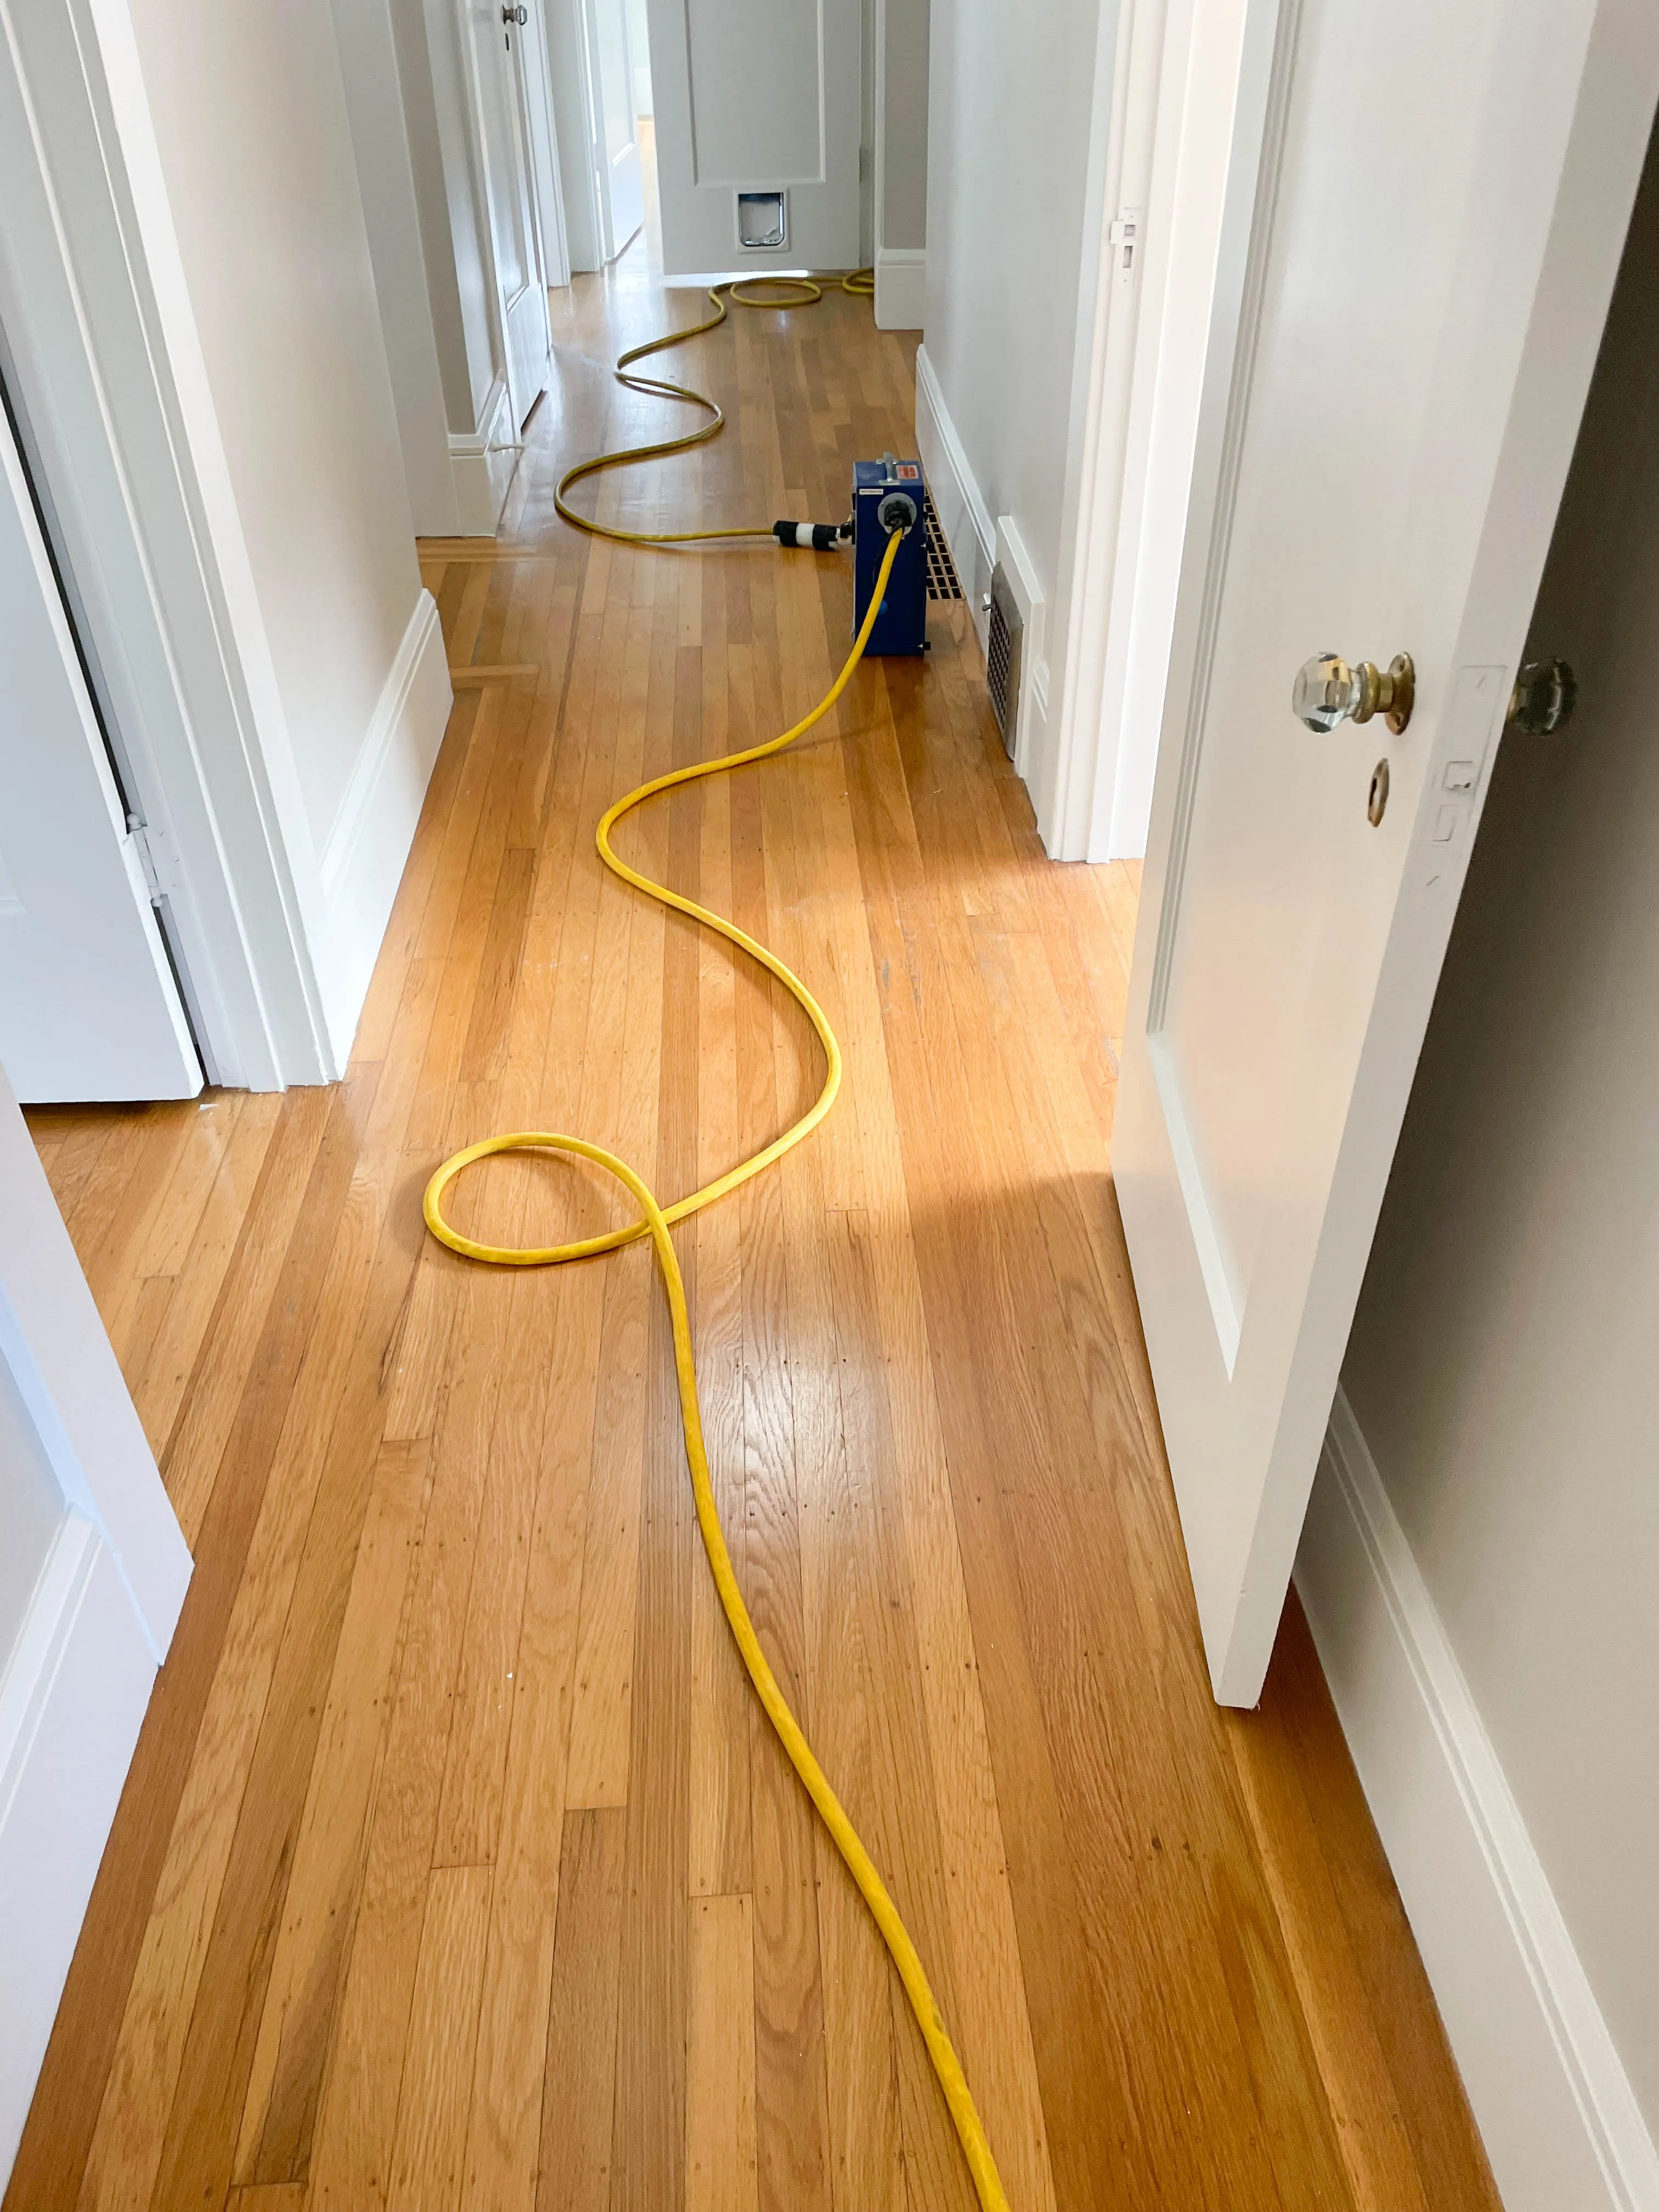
884,493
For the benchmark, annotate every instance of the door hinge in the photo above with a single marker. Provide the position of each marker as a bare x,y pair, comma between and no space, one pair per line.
149,848
1123,233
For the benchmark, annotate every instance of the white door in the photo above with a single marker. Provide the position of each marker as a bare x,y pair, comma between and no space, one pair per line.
1428,204
88,1006
92,1574
499,66
756,106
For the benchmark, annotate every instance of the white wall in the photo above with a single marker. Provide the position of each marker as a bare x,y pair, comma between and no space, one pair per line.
256,152
1502,1358
237,131
903,124
1011,196
380,134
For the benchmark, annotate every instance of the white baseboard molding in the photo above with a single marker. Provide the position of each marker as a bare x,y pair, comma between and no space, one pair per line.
363,863
963,516
72,1701
900,286
1555,2108
483,462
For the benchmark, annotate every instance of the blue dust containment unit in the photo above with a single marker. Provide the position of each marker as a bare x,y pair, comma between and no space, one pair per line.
887,492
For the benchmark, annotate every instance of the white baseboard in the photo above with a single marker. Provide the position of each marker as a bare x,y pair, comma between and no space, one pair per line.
363,863
483,462
72,1701
963,516
900,286
1555,2108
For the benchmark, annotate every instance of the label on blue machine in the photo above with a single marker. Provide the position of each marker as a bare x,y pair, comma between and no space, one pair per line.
902,624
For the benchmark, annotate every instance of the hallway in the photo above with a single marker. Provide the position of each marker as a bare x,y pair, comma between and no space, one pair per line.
456,1867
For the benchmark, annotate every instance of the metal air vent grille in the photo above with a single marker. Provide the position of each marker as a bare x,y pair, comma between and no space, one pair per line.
943,582
1004,637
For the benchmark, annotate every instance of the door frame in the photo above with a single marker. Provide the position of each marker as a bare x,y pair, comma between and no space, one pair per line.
1186,91
542,125
108,371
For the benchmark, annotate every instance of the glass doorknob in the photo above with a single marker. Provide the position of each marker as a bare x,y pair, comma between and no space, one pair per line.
1327,692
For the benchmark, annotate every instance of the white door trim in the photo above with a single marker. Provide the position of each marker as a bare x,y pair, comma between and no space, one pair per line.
109,372
1179,95
544,150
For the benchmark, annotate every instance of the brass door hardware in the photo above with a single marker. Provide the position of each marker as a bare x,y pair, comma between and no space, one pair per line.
1376,798
1327,692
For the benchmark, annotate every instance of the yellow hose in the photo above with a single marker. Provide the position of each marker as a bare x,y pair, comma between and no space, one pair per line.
655,1221
798,292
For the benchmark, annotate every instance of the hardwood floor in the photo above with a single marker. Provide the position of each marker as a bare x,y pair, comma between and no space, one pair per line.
457,1867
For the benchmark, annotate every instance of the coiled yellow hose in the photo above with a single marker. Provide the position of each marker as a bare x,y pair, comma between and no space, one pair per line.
796,292
655,1221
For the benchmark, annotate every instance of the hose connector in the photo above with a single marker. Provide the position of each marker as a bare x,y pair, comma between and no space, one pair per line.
820,537
897,512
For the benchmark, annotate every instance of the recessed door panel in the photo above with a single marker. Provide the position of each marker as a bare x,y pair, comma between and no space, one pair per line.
756,96
764,119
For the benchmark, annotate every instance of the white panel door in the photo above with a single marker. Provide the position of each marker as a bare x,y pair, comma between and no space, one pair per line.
499,65
1429,203
88,1006
92,1574
756,96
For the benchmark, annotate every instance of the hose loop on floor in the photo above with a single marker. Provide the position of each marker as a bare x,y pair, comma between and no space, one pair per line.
806,292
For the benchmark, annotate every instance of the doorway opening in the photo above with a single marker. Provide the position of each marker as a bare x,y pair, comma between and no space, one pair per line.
645,119
594,53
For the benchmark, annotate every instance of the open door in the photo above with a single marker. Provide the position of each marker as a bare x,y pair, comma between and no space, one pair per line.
89,1008
501,95
1427,205
93,1575
756,104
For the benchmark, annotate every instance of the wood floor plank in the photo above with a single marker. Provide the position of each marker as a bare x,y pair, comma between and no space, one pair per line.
329,1456
159,1385
719,1860
580,2082
426,2171
790,2083
624,1052
308,1963
720,2119
647,2169
457,1865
